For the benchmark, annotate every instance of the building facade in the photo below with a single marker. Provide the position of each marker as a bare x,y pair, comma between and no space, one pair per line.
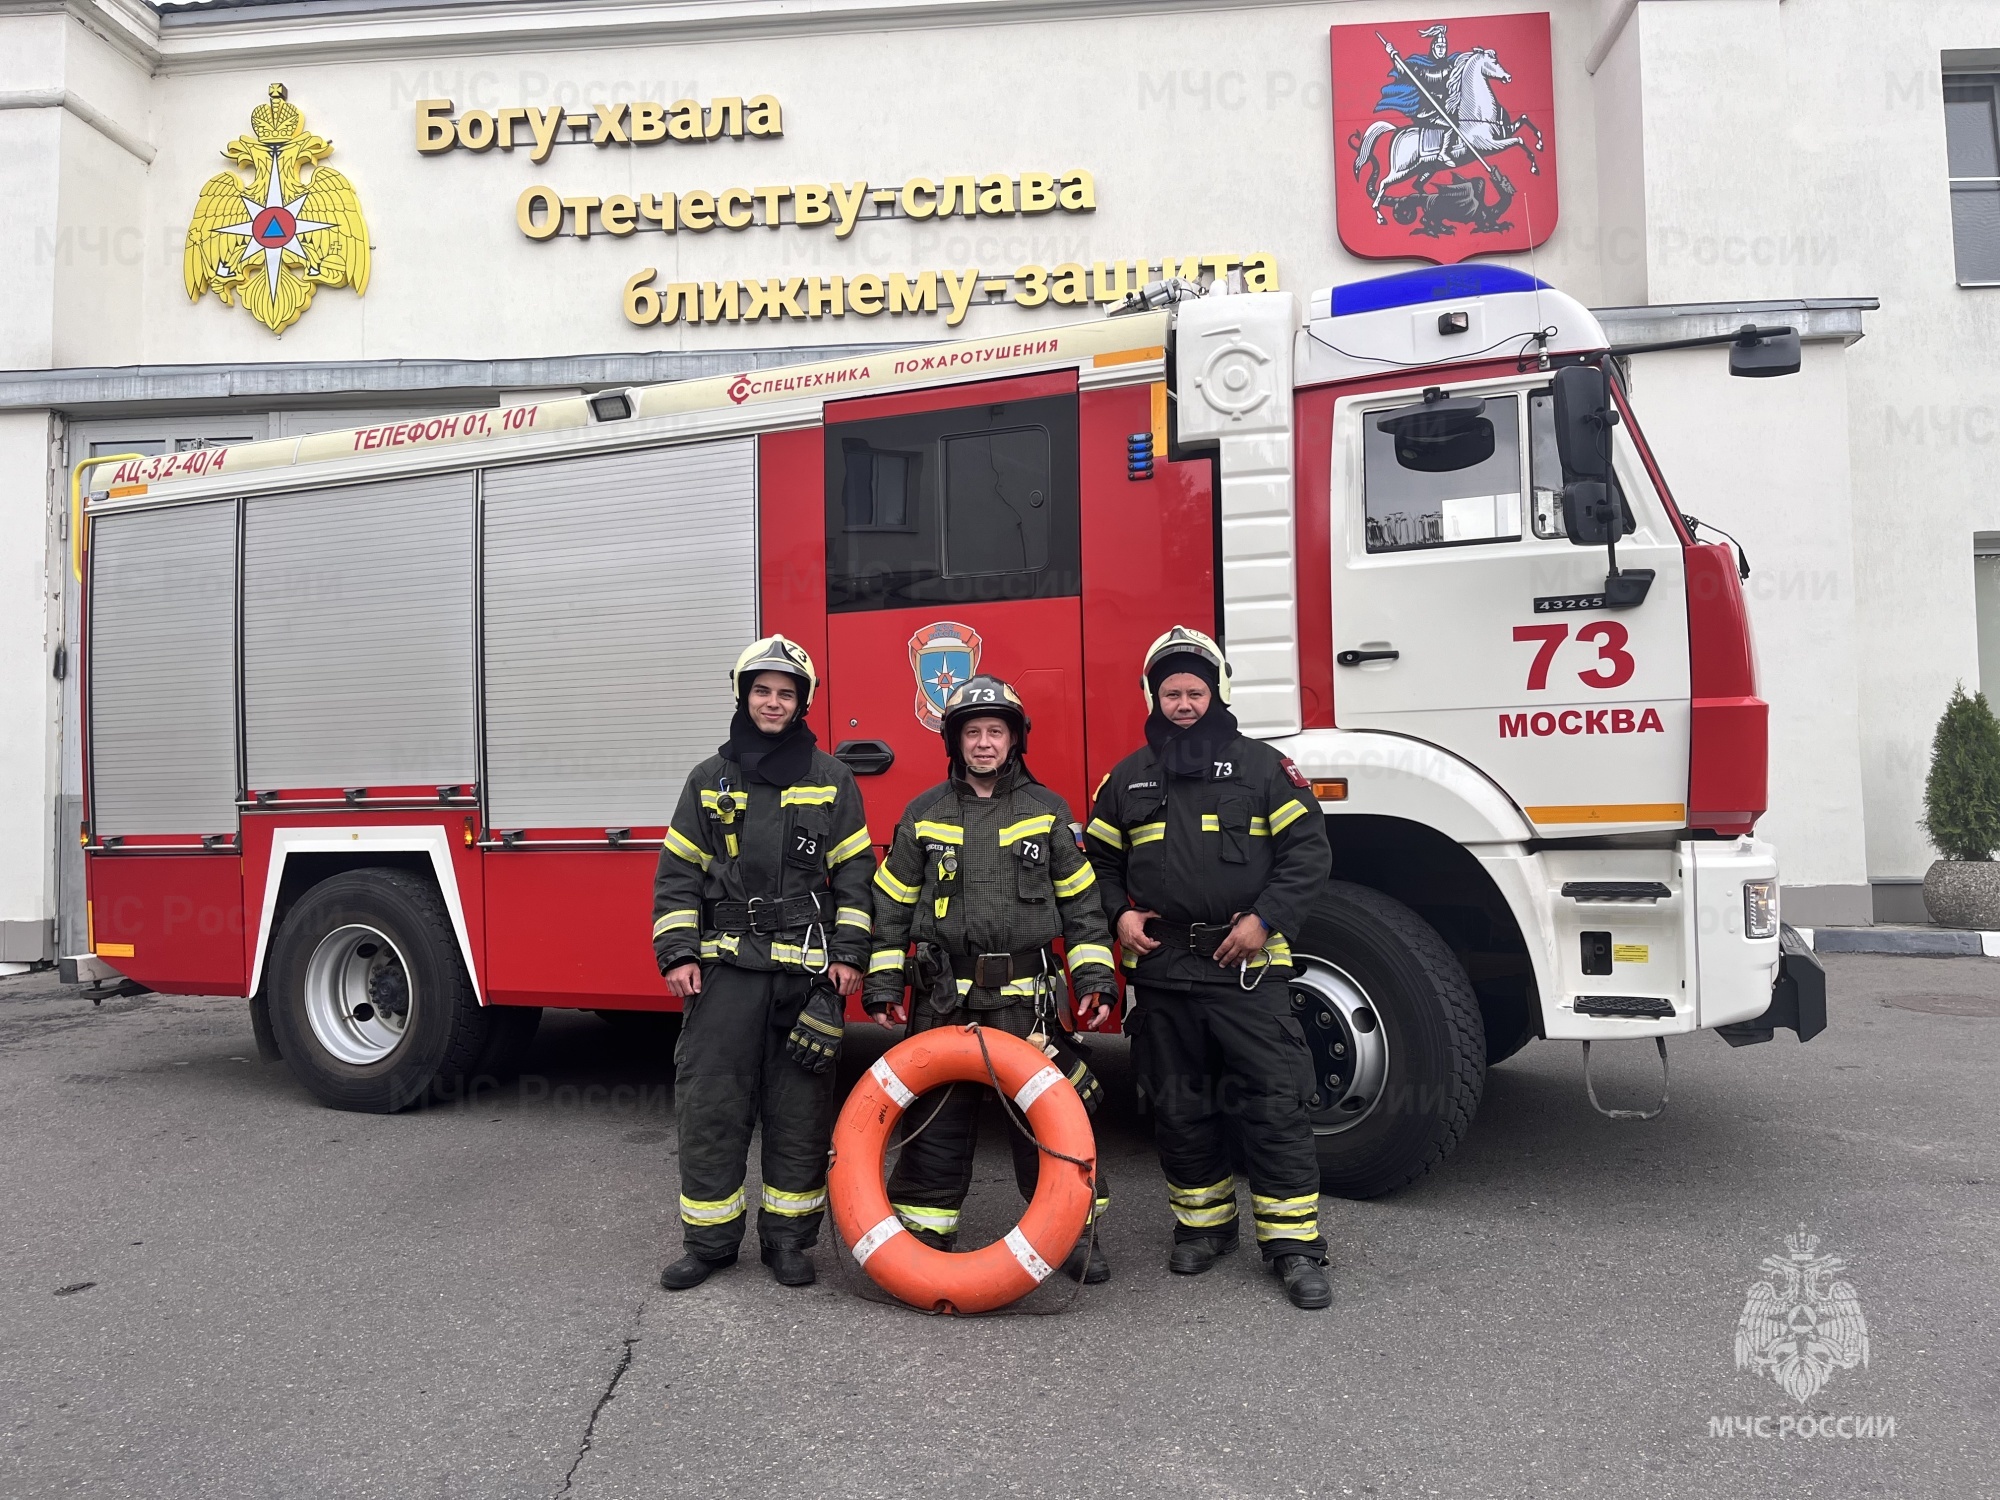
434,205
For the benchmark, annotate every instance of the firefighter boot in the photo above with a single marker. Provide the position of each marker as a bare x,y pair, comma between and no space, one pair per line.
1086,1263
1192,1257
1305,1280
789,1267
690,1271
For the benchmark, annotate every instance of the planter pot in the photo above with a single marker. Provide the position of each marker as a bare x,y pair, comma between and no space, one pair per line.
1964,893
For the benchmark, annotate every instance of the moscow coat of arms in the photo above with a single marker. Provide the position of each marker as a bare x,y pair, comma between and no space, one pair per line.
274,239
1444,136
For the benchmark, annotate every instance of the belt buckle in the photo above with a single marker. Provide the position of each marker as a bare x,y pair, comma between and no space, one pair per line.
751,908
979,972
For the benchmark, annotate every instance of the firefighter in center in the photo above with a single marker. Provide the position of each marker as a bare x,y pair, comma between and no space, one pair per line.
760,926
1209,853
984,874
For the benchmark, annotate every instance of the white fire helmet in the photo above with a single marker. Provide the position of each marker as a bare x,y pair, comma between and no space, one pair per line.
1185,640
774,654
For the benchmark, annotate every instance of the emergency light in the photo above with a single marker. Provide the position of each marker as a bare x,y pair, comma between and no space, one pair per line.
1139,456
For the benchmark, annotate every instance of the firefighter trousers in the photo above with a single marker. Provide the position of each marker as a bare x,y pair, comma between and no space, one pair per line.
730,1074
933,1174
1220,1068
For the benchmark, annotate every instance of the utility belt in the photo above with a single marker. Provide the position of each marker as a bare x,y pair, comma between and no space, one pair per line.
989,971
1199,938
766,916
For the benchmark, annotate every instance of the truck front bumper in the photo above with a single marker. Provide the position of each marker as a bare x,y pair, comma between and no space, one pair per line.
1798,997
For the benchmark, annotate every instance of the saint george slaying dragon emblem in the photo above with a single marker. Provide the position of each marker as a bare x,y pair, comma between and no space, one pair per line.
1799,1327
276,239
1446,155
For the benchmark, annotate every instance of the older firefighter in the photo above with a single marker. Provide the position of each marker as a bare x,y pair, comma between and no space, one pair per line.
760,925
1208,854
983,876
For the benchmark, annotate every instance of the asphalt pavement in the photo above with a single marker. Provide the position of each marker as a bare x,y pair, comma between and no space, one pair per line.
217,1288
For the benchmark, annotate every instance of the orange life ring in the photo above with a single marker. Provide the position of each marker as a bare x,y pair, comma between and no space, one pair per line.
1011,1267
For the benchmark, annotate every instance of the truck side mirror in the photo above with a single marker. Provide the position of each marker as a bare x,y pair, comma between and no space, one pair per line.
1590,512
1583,422
1760,354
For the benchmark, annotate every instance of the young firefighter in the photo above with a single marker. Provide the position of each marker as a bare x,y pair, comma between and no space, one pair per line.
760,925
1207,855
983,875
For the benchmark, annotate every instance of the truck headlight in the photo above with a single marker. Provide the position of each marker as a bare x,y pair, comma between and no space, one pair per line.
1760,908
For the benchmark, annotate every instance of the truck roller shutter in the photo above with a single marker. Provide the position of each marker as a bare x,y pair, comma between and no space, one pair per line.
618,590
162,677
357,635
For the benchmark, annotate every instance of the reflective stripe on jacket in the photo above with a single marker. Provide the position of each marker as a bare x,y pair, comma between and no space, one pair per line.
1240,836
992,874
732,839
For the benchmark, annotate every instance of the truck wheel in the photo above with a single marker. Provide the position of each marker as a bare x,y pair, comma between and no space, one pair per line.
1399,1050
369,997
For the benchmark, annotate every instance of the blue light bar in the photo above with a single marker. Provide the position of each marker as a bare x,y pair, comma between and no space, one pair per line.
1431,284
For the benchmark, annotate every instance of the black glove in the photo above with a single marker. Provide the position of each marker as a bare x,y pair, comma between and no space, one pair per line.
1069,1057
815,1039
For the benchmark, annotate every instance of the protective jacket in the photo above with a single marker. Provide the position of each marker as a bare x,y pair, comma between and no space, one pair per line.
765,877
1240,835
988,876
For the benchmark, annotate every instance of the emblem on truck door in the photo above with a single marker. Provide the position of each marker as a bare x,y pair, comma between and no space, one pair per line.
277,238
942,655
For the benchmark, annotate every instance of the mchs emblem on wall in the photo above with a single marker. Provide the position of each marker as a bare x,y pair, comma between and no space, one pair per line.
279,237
1444,135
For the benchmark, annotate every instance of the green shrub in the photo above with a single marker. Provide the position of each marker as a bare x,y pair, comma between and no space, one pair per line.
1962,792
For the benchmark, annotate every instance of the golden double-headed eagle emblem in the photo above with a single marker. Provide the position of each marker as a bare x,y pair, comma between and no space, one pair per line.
278,238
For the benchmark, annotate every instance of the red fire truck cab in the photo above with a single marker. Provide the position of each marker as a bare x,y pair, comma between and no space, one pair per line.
384,726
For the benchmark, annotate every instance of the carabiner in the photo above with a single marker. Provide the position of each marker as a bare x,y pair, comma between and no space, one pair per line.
806,948
1260,961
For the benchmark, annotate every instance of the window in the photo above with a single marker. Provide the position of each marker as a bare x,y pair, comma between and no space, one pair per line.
1443,472
1986,609
996,502
1545,472
1972,146
974,504
877,485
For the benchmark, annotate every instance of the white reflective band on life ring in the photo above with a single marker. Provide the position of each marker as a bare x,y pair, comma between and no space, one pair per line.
1025,1253
893,1086
882,1233
1035,1087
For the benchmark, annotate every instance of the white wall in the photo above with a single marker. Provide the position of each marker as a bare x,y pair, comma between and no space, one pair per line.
1766,460
1619,120
1207,131
27,690
30,182
1924,386
1720,211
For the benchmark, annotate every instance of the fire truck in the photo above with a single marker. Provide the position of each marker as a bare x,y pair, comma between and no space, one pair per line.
384,726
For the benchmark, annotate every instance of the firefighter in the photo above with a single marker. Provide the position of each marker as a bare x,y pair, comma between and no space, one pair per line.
1208,855
984,874
760,925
